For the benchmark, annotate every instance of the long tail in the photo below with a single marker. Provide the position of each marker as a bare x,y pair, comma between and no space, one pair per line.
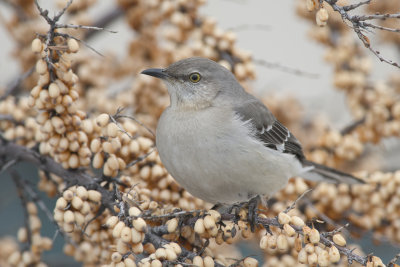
323,173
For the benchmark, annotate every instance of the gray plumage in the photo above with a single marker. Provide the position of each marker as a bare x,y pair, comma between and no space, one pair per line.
222,144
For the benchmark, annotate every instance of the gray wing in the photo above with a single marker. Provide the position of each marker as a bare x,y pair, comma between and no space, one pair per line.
278,137
269,130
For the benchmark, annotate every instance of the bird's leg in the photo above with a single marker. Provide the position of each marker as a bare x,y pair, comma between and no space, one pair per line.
252,211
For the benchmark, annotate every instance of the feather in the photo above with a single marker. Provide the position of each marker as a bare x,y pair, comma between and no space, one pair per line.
275,135
268,129
326,174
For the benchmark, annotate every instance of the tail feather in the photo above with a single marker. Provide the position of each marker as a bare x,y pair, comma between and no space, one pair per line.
323,173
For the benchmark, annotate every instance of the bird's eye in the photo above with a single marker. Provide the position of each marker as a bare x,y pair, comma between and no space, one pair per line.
194,77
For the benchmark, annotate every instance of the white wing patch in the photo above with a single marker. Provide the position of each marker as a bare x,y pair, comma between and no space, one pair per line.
279,135
280,147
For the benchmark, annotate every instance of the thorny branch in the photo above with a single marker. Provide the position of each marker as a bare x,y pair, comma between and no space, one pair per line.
268,222
359,24
12,151
154,234
14,87
52,32
260,221
23,154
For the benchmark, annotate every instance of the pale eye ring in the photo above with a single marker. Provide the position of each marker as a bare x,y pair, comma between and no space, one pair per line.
195,77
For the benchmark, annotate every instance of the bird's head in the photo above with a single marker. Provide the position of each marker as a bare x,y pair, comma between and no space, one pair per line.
196,83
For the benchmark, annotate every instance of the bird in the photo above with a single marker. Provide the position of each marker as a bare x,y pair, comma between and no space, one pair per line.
222,144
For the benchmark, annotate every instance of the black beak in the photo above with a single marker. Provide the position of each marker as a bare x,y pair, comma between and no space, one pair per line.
159,73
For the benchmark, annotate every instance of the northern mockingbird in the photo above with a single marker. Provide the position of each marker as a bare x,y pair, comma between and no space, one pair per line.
221,143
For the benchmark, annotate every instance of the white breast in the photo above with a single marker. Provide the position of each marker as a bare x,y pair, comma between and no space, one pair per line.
213,155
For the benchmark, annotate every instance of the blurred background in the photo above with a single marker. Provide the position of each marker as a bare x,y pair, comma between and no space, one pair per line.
273,32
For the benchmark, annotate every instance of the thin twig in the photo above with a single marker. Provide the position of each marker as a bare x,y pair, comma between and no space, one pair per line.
62,11
283,68
324,217
79,40
359,25
337,230
24,202
104,21
377,16
351,127
293,205
354,6
9,164
393,261
114,118
71,26
139,159
119,115
370,25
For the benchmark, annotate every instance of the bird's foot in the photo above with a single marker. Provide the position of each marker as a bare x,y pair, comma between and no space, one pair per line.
252,212
251,206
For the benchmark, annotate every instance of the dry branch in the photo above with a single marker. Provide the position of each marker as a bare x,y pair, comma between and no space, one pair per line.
359,25
153,234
